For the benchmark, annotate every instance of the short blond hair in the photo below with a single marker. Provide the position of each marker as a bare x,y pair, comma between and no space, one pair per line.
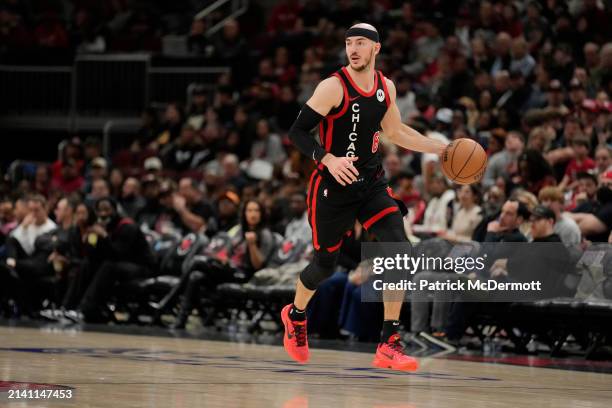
551,193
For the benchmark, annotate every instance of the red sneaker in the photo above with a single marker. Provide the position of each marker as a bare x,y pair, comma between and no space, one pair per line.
295,340
391,355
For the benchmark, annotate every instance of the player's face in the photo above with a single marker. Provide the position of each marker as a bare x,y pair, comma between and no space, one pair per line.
360,52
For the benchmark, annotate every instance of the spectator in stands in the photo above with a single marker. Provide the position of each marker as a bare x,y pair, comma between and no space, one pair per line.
437,212
287,108
146,217
68,179
42,181
74,276
580,163
92,148
148,131
298,227
595,226
603,159
230,44
13,30
154,166
31,227
21,209
7,220
231,172
426,48
100,188
131,201
430,163
268,145
225,104
197,42
534,173
198,105
503,56
185,152
159,215
540,139
171,125
555,96
54,251
392,165
521,59
404,186
115,182
546,263
468,217
227,209
284,17
98,169
86,33
247,251
64,213
24,263
50,32
506,227
284,71
500,163
585,199
194,211
577,94
565,227
120,252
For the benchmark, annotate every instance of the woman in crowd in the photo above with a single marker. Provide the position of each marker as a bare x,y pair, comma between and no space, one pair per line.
76,274
467,217
246,250
534,172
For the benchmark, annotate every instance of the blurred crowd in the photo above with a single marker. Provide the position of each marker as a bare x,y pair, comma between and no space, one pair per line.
529,80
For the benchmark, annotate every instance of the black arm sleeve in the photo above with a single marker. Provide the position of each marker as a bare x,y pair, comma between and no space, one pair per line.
300,133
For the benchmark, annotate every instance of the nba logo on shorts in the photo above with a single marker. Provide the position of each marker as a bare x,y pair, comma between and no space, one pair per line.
380,95
375,140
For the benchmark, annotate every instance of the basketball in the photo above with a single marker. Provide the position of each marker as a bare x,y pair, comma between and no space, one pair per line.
464,161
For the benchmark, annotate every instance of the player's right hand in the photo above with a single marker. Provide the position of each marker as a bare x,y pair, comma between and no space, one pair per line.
341,168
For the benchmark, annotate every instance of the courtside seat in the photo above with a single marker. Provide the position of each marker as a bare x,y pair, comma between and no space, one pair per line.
149,286
254,292
135,296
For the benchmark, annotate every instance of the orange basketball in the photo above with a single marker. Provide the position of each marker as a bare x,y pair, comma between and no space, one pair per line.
464,161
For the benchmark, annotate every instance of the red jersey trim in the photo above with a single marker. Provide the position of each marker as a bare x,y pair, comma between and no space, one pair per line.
345,98
314,172
384,84
313,214
335,247
357,88
378,216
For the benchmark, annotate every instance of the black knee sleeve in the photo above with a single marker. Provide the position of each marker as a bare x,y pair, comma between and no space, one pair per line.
321,268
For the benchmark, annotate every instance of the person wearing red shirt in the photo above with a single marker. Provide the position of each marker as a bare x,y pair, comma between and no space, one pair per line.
284,17
580,163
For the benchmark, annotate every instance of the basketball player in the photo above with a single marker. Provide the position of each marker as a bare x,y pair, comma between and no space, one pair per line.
350,107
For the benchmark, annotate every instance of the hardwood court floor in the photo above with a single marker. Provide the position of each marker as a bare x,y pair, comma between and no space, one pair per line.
115,370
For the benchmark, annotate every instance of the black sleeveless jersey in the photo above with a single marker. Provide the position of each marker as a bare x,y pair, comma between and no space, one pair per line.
353,128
